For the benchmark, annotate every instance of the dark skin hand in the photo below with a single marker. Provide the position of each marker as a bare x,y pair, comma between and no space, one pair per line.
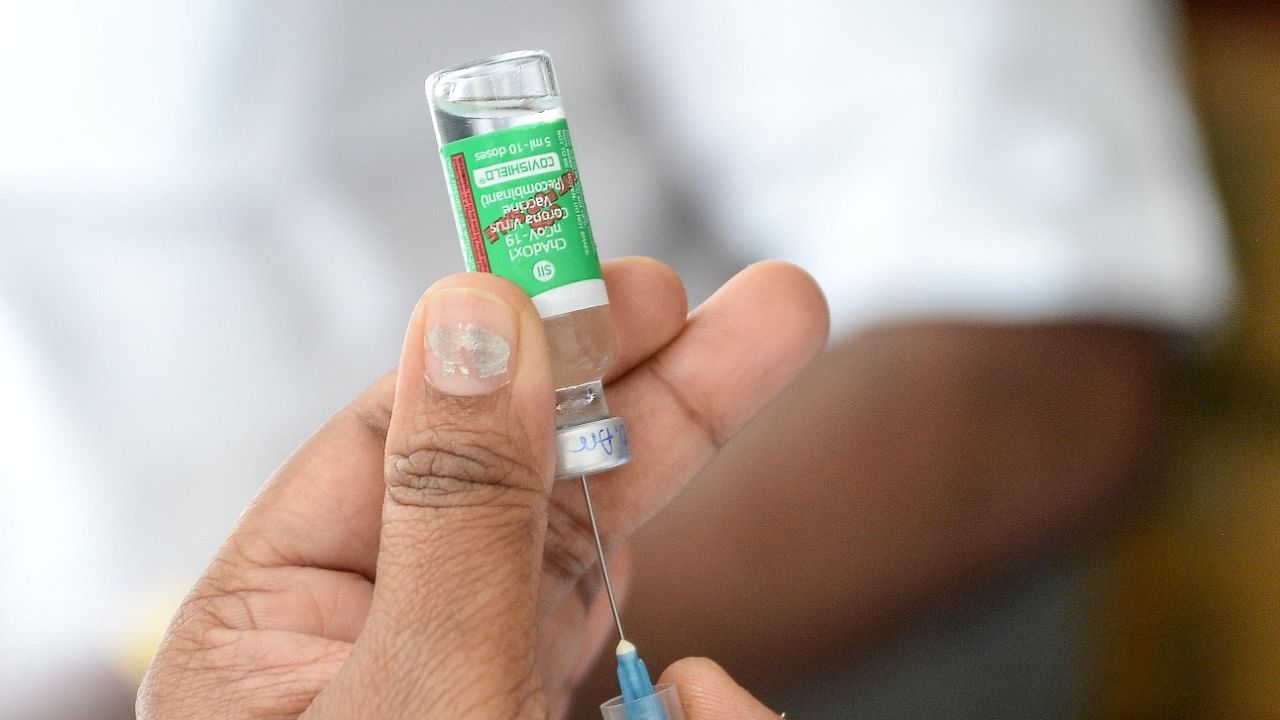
414,557
905,465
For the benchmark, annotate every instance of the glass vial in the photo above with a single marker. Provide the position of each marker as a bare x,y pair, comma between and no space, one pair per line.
518,203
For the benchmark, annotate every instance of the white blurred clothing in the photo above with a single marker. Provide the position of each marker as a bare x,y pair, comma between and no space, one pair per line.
215,218
994,160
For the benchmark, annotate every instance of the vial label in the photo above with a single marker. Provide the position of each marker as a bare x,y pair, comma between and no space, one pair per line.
520,212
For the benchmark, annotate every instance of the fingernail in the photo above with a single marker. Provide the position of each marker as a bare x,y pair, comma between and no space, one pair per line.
469,341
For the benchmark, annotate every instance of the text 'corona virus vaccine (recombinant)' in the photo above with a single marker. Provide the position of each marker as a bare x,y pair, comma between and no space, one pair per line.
520,211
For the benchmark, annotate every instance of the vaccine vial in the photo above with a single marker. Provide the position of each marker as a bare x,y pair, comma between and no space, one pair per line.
520,213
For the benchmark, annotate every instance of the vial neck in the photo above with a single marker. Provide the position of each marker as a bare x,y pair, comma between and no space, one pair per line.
578,404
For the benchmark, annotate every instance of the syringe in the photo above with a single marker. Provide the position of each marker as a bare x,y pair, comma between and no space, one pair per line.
604,568
639,699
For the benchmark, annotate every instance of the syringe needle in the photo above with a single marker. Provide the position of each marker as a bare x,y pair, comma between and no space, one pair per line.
639,701
604,569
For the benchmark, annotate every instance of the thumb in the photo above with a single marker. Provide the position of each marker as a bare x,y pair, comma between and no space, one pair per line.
452,628
708,693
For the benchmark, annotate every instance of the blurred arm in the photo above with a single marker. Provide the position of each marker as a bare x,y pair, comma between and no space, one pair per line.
907,462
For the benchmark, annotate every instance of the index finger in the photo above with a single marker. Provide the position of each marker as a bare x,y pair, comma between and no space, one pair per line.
737,351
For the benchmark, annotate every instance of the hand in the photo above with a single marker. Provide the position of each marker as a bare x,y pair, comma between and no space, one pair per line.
413,557
708,693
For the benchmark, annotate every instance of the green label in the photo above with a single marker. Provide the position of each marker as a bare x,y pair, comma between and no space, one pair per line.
520,212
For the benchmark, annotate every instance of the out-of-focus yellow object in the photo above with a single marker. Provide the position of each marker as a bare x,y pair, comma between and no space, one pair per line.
1189,624
144,628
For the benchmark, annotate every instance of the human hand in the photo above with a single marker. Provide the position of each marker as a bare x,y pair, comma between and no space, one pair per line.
413,557
708,693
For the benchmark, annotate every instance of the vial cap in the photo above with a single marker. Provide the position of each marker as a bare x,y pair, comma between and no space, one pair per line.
591,447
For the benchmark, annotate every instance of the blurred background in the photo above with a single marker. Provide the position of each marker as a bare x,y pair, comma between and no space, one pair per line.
215,218
1188,616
